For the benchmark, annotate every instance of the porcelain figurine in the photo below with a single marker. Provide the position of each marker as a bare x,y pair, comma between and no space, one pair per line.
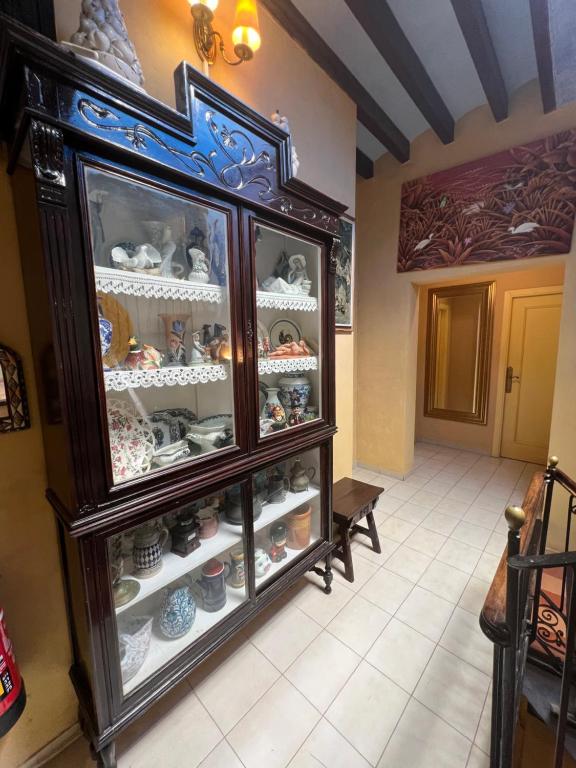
266,347
311,413
294,391
213,585
200,272
160,235
262,562
142,357
300,477
102,37
291,349
289,275
282,122
134,635
273,408
175,330
138,258
178,612
296,417
237,576
197,351
278,536
149,542
185,534
217,247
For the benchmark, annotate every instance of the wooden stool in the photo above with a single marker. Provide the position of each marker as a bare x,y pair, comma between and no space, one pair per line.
351,501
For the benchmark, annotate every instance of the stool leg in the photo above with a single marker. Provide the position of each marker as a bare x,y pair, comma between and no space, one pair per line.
347,552
373,533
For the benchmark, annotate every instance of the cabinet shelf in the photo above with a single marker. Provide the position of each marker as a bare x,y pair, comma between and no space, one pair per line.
269,300
287,365
272,512
118,381
109,280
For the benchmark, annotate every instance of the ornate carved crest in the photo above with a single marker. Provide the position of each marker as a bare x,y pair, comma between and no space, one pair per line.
48,160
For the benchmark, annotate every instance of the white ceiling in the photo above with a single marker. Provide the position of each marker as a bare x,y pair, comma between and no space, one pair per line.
434,33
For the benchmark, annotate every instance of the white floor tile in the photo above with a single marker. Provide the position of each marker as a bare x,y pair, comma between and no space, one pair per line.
285,635
427,499
403,491
454,691
396,529
310,597
440,487
222,757
363,571
426,541
483,517
473,535
444,580
358,624
275,728
412,513
487,566
474,595
362,547
478,759
423,740
453,507
483,733
235,685
408,563
367,710
459,555
326,747
401,654
322,670
465,495
440,523
464,638
387,590
426,612
389,503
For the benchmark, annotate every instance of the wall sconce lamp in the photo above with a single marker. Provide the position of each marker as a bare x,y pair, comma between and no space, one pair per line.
245,35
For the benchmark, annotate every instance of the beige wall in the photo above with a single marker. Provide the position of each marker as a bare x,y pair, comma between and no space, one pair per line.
387,315
476,437
324,130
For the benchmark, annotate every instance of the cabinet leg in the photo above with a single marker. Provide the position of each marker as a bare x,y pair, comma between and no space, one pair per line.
328,575
106,757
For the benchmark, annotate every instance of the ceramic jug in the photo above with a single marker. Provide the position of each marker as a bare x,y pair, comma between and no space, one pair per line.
300,477
149,542
178,612
278,487
237,576
299,525
213,585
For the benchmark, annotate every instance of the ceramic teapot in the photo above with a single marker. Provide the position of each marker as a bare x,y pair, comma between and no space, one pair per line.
149,542
178,611
300,477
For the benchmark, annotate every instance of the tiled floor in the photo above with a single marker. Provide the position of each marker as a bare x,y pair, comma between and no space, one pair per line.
391,671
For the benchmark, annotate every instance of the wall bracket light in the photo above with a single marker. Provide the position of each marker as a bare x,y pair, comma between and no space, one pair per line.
245,35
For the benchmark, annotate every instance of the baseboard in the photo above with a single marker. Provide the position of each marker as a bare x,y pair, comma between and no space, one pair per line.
456,446
379,470
54,747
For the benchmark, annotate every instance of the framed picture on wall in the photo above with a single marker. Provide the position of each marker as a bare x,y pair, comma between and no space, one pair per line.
345,277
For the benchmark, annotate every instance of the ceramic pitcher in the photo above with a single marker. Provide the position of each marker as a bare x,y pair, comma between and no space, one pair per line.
149,542
300,477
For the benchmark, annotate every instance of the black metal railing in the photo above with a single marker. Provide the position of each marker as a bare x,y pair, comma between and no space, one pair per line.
526,623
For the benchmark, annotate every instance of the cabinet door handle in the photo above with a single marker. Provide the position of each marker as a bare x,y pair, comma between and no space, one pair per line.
510,379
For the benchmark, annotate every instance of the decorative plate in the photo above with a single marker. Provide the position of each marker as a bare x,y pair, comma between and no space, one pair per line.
131,442
122,329
283,332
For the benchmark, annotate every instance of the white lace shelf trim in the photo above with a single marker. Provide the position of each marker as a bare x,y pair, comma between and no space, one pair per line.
287,366
265,300
118,381
155,287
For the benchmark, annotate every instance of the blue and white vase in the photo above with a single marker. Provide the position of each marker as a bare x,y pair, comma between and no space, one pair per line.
294,391
178,612
105,328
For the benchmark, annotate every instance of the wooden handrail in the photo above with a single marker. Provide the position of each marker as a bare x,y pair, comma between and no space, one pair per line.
493,616
563,479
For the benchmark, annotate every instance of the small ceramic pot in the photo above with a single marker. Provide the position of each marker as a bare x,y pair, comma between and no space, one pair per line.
178,612
237,575
262,562
299,524
213,585
149,543
209,521
278,487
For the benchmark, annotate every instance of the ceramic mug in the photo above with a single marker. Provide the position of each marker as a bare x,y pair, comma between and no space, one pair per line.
209,521
149,543
237,575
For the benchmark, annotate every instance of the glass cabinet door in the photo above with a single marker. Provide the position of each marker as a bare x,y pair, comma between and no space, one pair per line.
288,303
287,509
161,268
173,579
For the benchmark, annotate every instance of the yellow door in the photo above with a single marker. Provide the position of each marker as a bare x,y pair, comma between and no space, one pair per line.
532,352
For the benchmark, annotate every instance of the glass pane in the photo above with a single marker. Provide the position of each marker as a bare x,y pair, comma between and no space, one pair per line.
161,272
173,579
287,508
288,300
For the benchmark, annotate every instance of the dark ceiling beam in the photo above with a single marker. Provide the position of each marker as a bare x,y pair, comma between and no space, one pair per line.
381,26
540,12
364,166
370,114
472,21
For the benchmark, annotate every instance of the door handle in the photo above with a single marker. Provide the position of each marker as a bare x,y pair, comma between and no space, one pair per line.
510,378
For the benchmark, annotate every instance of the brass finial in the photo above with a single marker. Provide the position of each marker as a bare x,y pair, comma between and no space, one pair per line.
515,517
553,462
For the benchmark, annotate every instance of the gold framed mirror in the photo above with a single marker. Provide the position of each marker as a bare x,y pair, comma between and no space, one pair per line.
13,401
458,344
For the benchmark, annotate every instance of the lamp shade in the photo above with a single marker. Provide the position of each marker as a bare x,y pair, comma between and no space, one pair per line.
246,29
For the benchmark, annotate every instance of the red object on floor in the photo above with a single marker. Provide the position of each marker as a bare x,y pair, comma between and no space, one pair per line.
12,691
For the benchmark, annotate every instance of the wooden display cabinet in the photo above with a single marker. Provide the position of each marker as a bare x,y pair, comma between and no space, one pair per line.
169,259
